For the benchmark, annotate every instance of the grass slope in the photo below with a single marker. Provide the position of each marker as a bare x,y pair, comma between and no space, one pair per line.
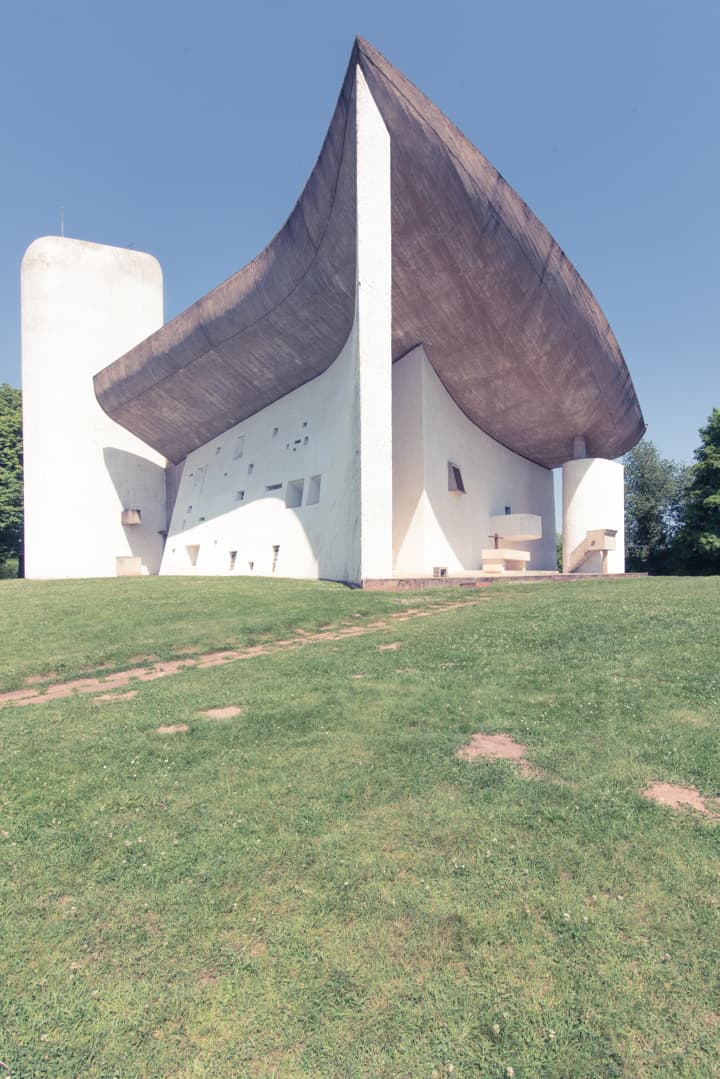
320,888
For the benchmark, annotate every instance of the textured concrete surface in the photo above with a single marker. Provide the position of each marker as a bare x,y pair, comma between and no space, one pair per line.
508,324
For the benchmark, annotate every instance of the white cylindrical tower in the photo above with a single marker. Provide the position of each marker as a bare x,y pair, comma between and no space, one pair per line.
94,493
593,508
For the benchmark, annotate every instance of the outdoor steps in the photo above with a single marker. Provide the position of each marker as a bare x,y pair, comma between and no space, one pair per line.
596,540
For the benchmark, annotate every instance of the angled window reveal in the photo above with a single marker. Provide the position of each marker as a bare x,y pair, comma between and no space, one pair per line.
193,550
240,496
455,480
239,447
273,486
294,494
313,495
275,553
233,559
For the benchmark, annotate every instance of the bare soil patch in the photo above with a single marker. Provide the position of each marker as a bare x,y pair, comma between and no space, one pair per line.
174,728
228,712
389,647
117,696
497,747
675,796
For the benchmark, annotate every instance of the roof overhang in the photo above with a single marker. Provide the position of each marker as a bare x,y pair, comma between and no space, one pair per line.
510,327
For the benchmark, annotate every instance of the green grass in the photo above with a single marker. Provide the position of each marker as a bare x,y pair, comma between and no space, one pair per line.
320,888
63,629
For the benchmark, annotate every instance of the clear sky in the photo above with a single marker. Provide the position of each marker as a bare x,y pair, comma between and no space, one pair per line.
188,129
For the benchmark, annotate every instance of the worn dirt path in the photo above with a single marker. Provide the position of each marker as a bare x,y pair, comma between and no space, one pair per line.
165,668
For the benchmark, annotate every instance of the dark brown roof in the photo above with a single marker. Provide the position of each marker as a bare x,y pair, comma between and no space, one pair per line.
507,322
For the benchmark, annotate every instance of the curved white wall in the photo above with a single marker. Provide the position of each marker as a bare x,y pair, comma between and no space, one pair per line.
434,526
83,305
593,498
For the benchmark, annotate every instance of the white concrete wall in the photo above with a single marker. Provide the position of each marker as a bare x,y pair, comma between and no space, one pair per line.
337,427
308,433
434,526
374,326
83,305
594,497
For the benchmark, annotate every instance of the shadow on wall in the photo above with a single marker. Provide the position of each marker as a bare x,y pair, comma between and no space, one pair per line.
140,485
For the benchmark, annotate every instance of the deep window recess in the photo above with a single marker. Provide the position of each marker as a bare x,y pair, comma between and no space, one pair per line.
193,550
233,559
313,495
508,510
199,477
455,480
250,469
294,494
240,496
276,552
273,486
239,447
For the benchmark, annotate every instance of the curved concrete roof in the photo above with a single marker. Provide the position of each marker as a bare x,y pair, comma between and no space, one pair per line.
510,327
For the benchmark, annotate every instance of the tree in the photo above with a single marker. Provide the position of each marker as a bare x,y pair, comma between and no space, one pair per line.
654,498
11,473
700,535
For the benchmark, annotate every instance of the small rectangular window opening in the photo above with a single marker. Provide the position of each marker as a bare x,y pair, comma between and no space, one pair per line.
294,494
193,550
240,496
455,480
217,450
508,511
276,552
273,486
250,469
233,559
239,447
275,431
251,566
199,478
313,495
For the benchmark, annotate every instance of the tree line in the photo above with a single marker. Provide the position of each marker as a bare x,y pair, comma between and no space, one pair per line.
672,511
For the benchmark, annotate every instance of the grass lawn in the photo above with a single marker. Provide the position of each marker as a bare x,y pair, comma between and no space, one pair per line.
319,887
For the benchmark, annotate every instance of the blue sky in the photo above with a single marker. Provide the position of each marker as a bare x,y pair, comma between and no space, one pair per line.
188,130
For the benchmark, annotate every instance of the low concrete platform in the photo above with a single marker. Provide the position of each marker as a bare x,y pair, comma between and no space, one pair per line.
478,579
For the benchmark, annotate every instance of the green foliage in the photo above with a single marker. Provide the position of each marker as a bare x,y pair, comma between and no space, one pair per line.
318,887
11,473
700,535
654,494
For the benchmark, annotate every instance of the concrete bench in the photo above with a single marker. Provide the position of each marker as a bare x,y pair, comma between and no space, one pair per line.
500,559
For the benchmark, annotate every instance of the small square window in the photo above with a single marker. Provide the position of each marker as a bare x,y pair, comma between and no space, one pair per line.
294,494
313,495
240,496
